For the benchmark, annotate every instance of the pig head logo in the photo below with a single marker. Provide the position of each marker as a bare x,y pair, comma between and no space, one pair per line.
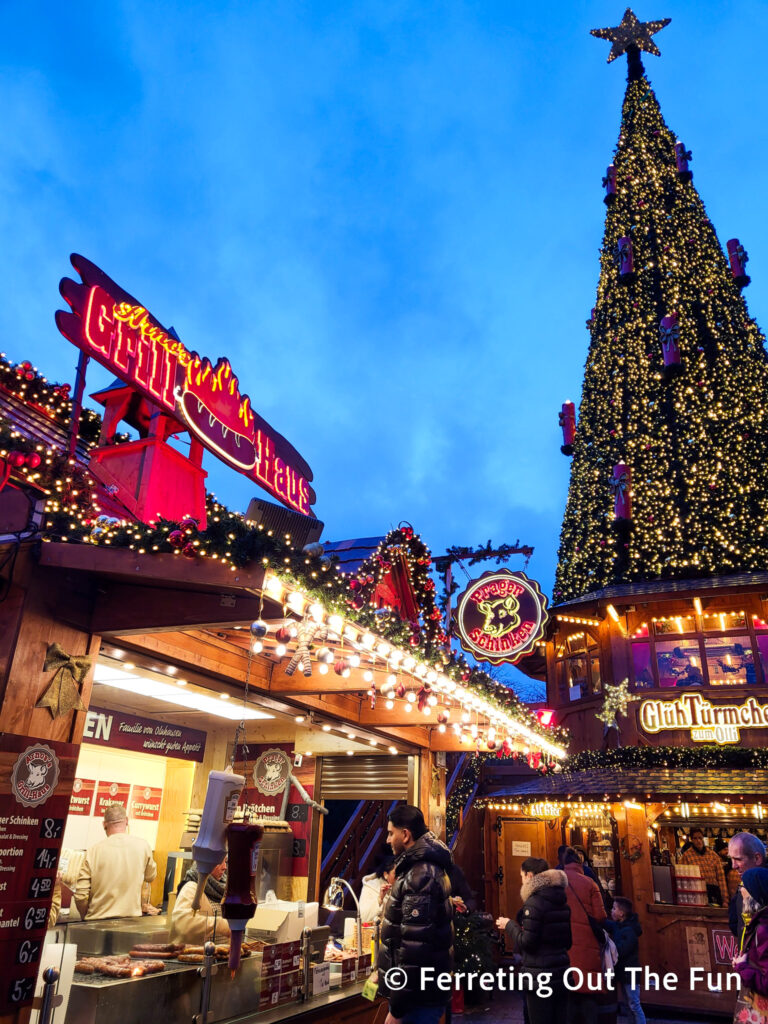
501,615
271,772
35,775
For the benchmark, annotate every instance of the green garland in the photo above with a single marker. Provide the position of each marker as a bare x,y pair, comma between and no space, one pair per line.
702,757
72,516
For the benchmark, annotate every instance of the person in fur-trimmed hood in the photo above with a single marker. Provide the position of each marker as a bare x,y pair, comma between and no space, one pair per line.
542,933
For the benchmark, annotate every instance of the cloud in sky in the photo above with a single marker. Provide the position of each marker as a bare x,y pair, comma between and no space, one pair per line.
387,215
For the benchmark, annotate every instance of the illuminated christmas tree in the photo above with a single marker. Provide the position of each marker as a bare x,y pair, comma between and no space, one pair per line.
670,453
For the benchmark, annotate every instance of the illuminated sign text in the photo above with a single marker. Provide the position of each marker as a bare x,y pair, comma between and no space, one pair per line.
501,616
706,722
123,336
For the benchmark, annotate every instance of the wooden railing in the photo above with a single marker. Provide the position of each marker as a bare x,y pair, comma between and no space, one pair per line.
356,851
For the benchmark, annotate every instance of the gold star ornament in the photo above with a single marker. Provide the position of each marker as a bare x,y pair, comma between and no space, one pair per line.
631,32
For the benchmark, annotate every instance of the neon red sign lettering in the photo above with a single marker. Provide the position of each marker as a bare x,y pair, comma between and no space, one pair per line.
121,334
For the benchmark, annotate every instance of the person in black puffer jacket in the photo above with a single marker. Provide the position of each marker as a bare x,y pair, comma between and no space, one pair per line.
542,933
417,922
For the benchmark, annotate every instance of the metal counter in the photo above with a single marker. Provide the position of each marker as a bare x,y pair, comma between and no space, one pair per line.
173,995
115,935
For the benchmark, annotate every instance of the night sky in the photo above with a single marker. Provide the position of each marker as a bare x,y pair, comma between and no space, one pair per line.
386,214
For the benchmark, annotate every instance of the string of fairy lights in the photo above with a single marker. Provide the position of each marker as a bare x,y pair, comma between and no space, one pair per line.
410,683
421,674
696,443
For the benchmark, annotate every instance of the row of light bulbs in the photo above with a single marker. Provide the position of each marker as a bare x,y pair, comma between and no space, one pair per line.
401,661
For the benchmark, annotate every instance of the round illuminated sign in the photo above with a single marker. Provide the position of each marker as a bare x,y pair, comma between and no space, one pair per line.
500,616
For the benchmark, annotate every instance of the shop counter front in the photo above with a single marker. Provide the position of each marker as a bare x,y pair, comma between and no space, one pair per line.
266,988
692,946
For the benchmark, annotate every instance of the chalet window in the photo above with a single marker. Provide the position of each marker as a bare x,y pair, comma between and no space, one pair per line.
641,662
679,663
730,661
678,624
719,622
578,667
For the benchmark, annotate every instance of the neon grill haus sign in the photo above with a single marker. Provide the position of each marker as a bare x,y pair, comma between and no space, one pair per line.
501,616
117,331
706,722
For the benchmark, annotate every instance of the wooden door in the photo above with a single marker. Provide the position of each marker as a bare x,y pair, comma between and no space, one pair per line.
518,838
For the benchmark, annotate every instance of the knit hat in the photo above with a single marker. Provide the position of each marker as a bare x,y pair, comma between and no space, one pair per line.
755,881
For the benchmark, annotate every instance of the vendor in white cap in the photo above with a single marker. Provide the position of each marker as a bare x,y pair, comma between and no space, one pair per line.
114,871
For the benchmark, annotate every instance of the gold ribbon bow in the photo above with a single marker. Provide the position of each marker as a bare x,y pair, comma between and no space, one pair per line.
63,694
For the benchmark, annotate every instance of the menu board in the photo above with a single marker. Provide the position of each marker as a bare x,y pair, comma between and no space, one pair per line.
36,778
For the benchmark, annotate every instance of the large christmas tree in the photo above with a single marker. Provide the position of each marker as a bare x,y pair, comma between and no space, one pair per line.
670,457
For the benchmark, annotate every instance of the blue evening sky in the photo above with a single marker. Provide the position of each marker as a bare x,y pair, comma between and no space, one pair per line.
386,213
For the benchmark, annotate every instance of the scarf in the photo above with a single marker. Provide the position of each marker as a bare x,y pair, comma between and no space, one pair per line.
214,890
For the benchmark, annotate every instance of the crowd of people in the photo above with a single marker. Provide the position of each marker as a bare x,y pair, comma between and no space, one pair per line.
567,920
563,924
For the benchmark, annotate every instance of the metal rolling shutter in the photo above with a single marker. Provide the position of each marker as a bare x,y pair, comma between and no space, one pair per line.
366,778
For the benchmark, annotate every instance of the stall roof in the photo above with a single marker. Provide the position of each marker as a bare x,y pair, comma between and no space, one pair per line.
671,588
659,782
352,553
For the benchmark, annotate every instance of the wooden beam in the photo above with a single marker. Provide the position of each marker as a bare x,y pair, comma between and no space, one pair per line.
127,564
216,657
125,609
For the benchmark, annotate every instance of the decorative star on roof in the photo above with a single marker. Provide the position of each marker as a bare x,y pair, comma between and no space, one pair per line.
631,32
615,702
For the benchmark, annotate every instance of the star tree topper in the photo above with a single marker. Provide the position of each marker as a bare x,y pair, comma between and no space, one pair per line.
631,32
615,703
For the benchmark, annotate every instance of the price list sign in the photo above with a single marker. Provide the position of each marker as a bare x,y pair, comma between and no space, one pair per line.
36,778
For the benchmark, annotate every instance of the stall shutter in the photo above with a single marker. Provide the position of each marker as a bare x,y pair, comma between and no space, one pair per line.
365,778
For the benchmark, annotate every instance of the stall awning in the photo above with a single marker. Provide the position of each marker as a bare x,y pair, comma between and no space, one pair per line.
651,782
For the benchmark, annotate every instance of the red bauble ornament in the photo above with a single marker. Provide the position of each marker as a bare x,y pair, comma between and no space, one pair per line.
17,459
33,460
189,551
414,640
442,717
354,585
189,524
340,666
29,375
176,539
400,690
283,635
465,676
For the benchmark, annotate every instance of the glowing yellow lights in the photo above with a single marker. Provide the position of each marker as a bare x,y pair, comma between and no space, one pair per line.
613,613
578,621
697,606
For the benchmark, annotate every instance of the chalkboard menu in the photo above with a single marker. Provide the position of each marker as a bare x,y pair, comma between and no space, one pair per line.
36,778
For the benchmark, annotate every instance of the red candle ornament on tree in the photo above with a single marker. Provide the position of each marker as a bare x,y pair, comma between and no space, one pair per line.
567,417
682,156
609,184
625,258
738,258
669,335
621,483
